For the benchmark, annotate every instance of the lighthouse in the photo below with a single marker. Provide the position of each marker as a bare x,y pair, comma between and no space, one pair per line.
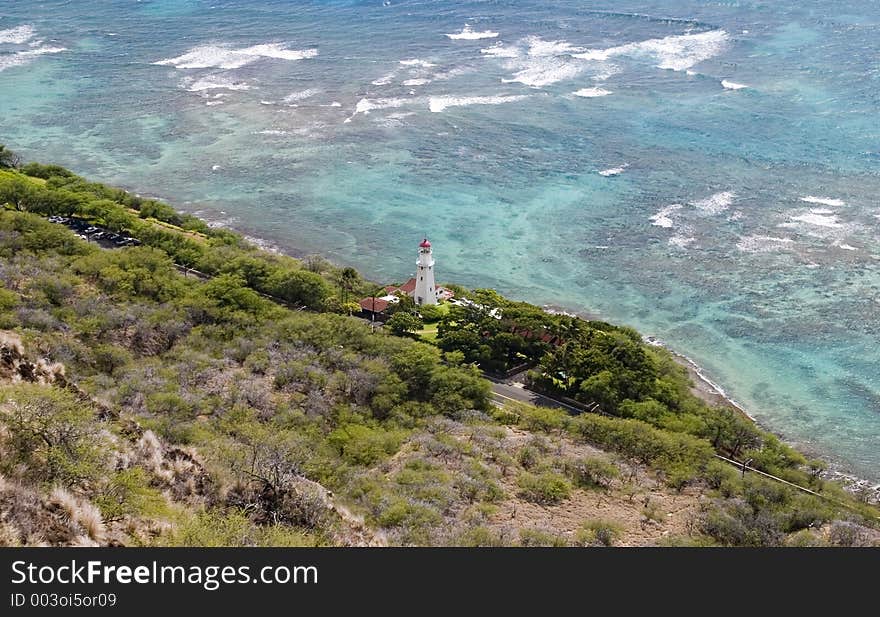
426,290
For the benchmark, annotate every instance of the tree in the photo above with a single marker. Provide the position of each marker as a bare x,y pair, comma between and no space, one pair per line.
17,192
8,158
51,435
349,279
300,286
351,308
402,324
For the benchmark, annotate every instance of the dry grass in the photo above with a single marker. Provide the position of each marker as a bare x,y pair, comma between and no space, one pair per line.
81,513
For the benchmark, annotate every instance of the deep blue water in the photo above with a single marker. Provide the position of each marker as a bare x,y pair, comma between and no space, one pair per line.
736,216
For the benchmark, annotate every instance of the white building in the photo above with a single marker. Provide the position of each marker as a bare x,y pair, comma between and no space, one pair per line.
426,289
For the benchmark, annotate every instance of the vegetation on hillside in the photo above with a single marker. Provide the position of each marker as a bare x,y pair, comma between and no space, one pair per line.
142,406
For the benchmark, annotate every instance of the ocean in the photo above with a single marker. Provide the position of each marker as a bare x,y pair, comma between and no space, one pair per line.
708,172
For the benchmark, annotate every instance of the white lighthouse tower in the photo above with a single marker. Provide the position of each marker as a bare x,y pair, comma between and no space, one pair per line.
426,290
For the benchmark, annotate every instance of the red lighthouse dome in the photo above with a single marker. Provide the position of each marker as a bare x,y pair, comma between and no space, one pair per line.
425,244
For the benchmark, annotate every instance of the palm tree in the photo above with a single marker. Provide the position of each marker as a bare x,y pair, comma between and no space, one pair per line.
348,281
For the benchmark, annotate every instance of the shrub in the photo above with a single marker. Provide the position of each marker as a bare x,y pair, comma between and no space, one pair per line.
846,533
545,419
363,445
598,533
128,493
734,523
403,323
431,313
537,537
52,435
214,528
591,472
8,299
545,488
528,457
478,536
413,520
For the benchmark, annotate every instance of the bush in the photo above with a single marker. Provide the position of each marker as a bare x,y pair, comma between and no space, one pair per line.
8,299
403,323
545,419
537,537
215,528
735,523
300,286
598,533
846,533
51,435
478,536
528,457
591,472
363,445
545,488
413,520
431,313
128,493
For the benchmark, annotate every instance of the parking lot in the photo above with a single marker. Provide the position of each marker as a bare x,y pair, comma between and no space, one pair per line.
93,233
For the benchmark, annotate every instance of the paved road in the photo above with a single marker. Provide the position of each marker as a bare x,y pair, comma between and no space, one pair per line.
504,392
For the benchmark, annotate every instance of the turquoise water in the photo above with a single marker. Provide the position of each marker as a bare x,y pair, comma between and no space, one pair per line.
707,172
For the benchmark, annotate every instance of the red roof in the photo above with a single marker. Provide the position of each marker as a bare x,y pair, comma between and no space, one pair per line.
374,305
425,244
410,286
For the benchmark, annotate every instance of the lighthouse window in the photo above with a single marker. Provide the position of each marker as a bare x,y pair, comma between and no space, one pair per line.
421,278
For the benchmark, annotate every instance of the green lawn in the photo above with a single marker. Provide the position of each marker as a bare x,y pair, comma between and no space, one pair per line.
428,333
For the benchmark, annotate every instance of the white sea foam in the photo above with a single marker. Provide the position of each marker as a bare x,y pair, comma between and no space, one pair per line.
715,204
385,79
223,57
540,47
681,241
275,132
541,63
468,34
212,103
732,85
211,82
500,51
663,217
614,171
816,218
366,105
846,247
23,57
417,62
18,35
762,244
591,93
416,82
543,71
607,71
678,53
439,103
301,95
824,201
